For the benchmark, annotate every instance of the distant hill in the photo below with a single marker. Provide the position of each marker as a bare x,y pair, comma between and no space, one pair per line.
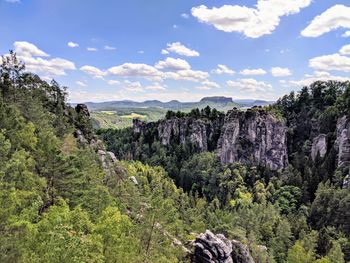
218,102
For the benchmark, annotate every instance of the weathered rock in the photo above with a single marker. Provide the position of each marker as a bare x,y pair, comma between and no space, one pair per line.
182,130
134,180
112,156
319,146
82,109
241,253
253,136
343,141
211,248
346,182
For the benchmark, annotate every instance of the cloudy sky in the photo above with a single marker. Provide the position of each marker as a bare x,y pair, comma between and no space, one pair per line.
179,49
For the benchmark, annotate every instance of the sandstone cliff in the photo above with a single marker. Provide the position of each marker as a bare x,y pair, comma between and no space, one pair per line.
254,136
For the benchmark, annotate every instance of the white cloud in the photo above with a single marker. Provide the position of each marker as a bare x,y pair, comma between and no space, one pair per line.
345,50
188,74
72,44
173,64
280,72
81,83
184,15
250,85
346,34
141,52
248,72
175,26
32,56
309,79
223,69
91,49
113,82
27,49
109,48
252,22
155,86
91,70
133,86
180,49
335,17
208,85
164,52
136,70
331,62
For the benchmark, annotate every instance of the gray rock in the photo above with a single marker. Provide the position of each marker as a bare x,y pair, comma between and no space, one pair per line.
343,141
112,156
134,180
346,182
319,146
211,248
82,109
253,136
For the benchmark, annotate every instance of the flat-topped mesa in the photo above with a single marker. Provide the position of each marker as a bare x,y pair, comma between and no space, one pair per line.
254,136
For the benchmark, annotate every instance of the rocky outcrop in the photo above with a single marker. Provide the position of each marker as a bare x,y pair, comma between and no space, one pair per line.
342,144
253,136
211,248
343,141
182,130
82,109
319,146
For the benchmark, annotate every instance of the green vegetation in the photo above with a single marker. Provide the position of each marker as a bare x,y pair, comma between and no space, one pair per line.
58,203
122,117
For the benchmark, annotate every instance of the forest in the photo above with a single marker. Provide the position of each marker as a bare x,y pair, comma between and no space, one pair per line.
61,202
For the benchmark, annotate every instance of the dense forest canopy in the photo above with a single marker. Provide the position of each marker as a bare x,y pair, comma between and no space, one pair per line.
63,199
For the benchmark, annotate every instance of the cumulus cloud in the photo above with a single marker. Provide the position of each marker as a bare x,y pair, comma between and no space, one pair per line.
81,83
252,22
331,62
136,70
113,82
248,72
208,85
223,69
333,18
33,57
173,64
280,72
345,50
133,86
184,15
309,79
155,86
188,74
91,70
109,48
164,52
346,34
250,85
72,44
180,49
92,49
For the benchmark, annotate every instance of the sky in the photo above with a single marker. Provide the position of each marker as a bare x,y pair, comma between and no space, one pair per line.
179,50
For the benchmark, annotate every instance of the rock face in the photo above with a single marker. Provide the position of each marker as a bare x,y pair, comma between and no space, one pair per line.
182,129
210,248
319,146
83,109
253,136
343,141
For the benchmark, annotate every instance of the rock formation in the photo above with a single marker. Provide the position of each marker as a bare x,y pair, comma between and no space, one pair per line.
342,144
319,146
253,136
210,248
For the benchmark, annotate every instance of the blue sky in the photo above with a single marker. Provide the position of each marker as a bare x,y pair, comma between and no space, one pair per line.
185,50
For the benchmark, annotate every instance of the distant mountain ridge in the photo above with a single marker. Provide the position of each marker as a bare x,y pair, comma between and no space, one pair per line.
218,102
